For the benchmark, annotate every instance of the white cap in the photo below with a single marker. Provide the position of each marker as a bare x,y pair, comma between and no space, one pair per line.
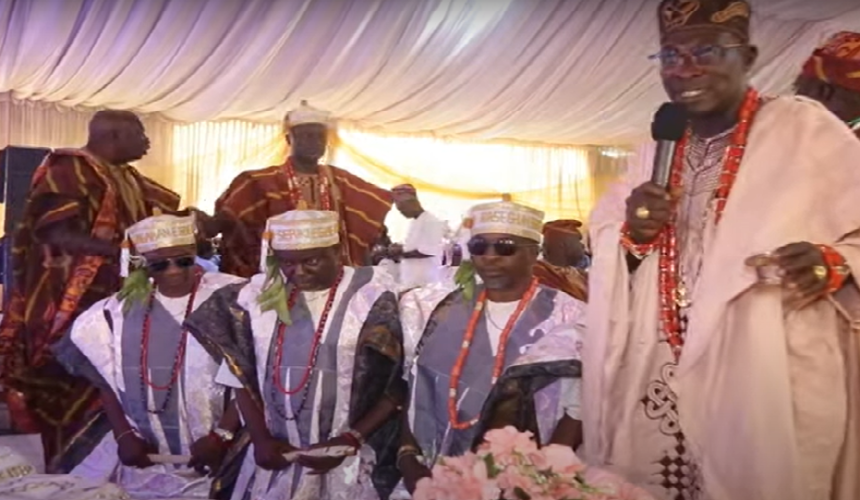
162,231
303,230
307,114
505,217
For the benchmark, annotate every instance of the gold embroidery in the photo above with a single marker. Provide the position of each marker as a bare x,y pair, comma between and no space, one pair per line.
363,215
678,13
358,189
16,471
735,9
848,49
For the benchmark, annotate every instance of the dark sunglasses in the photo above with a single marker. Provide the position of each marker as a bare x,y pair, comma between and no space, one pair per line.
502,248
159,266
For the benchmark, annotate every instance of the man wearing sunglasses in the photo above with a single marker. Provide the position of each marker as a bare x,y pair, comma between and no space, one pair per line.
484,356
832,77
564,259
314,350
704,380
157,383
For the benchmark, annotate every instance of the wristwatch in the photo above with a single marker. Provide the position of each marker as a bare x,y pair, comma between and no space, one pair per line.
224,435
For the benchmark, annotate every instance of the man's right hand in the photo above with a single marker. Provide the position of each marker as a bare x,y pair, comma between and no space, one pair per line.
649,208
133,451
413,471
269,454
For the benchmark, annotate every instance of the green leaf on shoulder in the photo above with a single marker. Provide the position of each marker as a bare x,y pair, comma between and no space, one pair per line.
136,289
465,279
275,293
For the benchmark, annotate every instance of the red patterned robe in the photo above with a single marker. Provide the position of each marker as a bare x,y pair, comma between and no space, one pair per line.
256,195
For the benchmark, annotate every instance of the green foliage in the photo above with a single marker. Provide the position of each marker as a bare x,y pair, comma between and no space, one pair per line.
276,293
465,278
135,289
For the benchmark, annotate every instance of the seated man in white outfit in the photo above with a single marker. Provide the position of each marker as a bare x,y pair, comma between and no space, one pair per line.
314,350
509,347
157,383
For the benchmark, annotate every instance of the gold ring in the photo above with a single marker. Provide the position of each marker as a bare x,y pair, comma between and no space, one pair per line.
820,272
643,212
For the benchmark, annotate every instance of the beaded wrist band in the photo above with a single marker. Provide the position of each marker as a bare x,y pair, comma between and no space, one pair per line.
355,438
837,269
638,250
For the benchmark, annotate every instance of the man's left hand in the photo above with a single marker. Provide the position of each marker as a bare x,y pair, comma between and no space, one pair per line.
321,465
207,452
801,265
207,226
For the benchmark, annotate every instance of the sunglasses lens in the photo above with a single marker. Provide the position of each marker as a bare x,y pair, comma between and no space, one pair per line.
505,248
184,262
478,246
159,266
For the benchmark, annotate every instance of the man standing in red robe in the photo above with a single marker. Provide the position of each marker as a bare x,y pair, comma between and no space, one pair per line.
255,195
65,258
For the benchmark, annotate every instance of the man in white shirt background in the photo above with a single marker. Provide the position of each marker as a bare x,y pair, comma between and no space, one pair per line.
421,253
206,258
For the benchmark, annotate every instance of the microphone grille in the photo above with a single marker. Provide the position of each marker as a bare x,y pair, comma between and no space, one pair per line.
670,122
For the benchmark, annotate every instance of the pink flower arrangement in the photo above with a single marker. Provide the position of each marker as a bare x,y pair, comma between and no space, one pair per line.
510,466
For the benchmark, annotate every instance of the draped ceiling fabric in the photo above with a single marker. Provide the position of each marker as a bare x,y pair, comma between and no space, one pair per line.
553,71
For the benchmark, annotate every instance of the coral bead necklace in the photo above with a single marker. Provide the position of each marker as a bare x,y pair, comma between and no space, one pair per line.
314,350
499,363
178,360
295,188
673,291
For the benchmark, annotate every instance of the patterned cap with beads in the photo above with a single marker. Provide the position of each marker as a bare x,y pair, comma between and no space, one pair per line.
727,15
837,61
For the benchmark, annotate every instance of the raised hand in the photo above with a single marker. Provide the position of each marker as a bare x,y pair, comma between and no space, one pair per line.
649,208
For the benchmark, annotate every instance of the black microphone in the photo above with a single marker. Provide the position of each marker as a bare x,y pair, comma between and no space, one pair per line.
667,128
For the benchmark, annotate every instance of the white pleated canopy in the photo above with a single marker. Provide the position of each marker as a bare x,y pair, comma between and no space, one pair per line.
556,71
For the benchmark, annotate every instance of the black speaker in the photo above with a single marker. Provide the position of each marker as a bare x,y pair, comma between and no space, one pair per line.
16,172
17,165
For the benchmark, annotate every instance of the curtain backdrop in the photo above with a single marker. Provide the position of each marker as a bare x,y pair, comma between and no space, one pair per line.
449,175
47,125
199,160
397,75
560,71
206,156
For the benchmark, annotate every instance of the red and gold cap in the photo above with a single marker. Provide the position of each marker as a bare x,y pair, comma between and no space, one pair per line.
562,227
837,61
726,15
